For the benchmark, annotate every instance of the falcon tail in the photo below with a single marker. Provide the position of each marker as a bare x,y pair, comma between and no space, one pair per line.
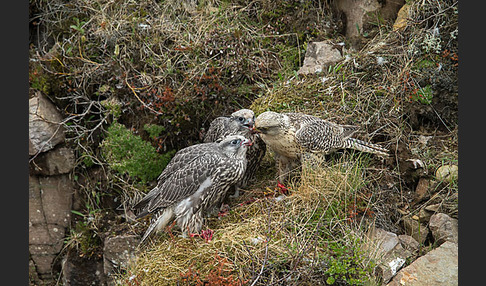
159,220
363,146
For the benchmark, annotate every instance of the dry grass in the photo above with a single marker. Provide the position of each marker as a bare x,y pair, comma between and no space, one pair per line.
274,238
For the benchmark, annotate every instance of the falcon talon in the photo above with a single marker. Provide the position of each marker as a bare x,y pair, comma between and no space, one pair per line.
283,189
192,235
207,235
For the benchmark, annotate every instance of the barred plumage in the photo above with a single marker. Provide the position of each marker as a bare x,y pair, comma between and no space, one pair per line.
194,182
240,122
290,135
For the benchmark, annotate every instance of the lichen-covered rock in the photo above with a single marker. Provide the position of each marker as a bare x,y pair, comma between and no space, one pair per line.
45,129
390,253
415,229
438,267
59,160
50,200
319,56
402,18
117,252
444,228
447,173
409,243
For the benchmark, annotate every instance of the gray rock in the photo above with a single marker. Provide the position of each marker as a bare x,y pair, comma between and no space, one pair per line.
319,56
433,208
33,276
39,234
59,160
384,240
57,193
424,215
421,190
78,271
417,230
50,200
390,254
409,243
361,14
117,252
444,228
45,129
43,265
36,211
447,173
355,11
45,249
437,267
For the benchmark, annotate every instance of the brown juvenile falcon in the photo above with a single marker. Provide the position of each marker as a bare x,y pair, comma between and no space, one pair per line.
193,183
291,135
240,122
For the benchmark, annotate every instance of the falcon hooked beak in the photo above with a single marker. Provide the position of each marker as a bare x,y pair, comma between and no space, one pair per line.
257,130
246,142
250,123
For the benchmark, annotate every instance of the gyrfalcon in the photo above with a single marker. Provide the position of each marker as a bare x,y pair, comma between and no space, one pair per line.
240,122
194,182
290,135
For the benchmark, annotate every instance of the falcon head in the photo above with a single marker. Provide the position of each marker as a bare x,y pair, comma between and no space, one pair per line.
270,123
246,117
234,145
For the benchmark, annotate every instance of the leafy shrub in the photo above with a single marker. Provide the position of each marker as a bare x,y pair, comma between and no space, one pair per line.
128,153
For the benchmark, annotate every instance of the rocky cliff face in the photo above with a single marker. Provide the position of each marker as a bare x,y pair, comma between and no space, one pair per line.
50,186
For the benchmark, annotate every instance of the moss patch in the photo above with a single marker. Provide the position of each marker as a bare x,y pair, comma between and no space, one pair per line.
128,153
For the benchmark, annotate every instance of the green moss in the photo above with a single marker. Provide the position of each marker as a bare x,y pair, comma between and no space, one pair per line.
39,80
153,130
424,64
128,153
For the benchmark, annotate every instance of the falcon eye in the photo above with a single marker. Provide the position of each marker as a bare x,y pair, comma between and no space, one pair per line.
241,119
235,142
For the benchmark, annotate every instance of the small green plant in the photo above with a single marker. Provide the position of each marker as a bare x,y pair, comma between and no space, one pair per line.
78,26
84,239
128,153
112,104
423,95
345,265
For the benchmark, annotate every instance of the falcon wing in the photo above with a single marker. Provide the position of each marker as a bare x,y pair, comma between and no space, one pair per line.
217,129
183,182
322,136
182,160
183,157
